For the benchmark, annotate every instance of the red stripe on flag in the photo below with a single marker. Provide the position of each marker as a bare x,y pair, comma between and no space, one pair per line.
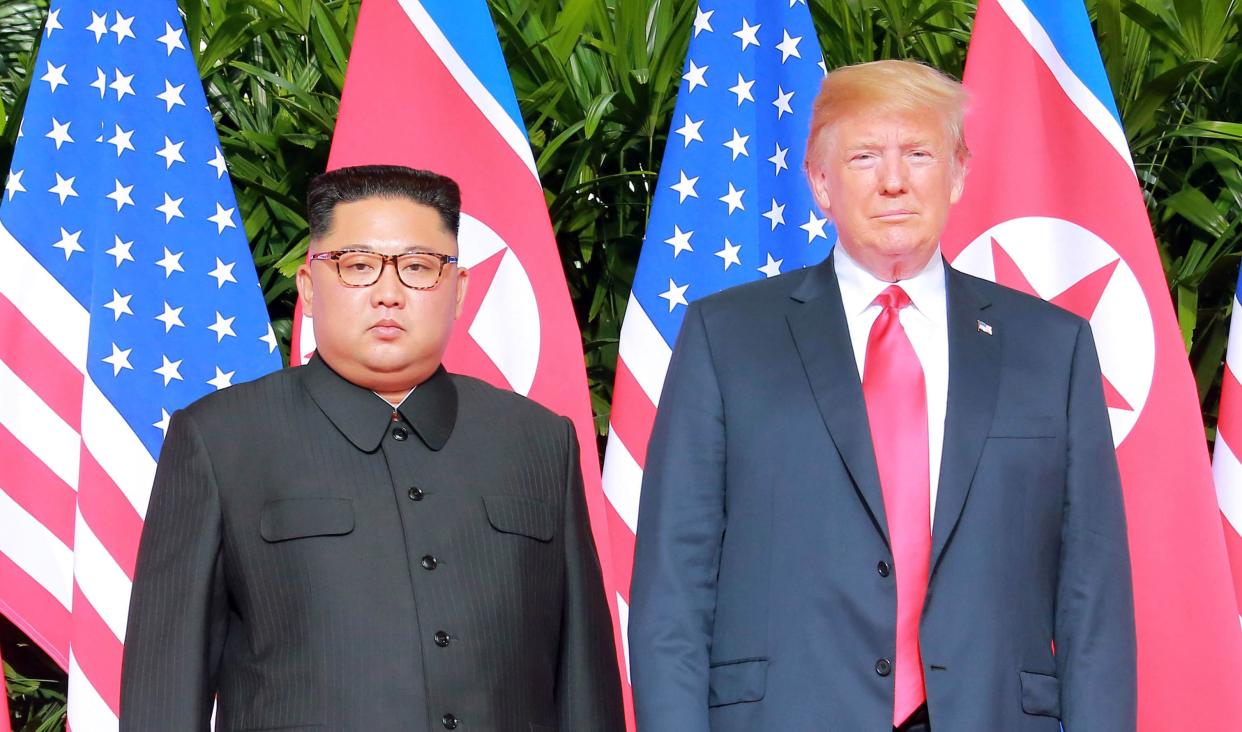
622,553
633,414
33,609
1233,546
1229,424
110,514
25,350
97,650
34,487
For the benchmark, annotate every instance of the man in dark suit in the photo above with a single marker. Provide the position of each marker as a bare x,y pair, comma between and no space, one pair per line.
369,542
882,494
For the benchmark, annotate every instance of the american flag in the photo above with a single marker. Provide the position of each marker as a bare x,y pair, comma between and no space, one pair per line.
127,290
1226,463
732,205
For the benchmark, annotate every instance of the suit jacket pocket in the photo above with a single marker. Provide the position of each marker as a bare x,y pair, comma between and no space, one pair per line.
733,682
1024,427
295,518
1041,694
518,515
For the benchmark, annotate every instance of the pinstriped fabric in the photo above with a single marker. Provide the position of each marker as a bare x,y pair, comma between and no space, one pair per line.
285,533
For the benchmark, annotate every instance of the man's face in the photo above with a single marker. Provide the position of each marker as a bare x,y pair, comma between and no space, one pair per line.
386,337
887,181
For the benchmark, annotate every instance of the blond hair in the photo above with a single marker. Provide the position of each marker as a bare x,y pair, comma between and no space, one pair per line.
902,87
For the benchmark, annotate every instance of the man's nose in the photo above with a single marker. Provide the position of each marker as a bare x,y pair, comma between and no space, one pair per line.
388,290
893,175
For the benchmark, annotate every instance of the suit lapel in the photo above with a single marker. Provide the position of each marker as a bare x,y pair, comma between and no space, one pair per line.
974,376
821,336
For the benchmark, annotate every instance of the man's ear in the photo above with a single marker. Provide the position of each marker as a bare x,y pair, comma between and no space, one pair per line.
819,189
960,169
462,282
306,289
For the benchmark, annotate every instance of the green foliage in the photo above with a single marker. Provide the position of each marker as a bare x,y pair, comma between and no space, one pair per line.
35,705
597,80
273,71
1175,69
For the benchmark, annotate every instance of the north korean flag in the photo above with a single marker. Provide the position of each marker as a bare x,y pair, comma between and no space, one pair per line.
1053,207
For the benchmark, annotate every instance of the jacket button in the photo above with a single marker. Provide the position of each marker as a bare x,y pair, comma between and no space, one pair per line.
883,667
416,494
429,562
883,569
449,721
400,434
442,638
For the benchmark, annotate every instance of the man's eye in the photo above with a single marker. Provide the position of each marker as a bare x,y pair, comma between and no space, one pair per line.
357,264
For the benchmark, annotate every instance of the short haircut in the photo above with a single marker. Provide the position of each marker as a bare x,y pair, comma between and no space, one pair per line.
886,86
345,185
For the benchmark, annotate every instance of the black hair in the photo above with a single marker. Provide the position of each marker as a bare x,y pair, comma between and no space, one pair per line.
345,185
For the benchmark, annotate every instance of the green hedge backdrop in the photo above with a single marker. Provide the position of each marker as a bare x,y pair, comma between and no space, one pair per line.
597,80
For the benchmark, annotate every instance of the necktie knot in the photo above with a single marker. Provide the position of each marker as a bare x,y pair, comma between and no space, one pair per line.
892,297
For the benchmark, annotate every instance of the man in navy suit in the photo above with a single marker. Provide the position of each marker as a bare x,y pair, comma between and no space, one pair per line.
882,494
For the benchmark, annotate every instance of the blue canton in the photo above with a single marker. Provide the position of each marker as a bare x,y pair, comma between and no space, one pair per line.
732,203
118,188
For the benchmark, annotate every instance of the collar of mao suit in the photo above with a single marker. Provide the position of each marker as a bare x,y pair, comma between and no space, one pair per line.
431,409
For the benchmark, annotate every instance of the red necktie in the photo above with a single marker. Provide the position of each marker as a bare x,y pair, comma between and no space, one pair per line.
896,397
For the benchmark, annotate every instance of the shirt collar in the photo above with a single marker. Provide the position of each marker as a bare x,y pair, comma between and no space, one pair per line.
859,287
431,409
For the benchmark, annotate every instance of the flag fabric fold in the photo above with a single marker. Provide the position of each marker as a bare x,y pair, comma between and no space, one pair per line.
128,290
732,205
1052,207
427,86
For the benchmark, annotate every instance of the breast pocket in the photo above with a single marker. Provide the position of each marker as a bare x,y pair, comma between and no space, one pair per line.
297,518
1017,427
528,517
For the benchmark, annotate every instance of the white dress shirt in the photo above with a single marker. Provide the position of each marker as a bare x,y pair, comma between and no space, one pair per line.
925,321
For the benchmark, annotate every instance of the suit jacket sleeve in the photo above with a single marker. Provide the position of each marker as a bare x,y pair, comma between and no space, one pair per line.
588,680
1095,639
677,556
177,612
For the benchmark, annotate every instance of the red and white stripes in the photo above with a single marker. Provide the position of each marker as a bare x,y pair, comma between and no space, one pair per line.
73,491
641,364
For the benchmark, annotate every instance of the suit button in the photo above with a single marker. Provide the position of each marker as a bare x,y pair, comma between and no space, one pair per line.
442,638
449,721
416,494
400,434
429,562
883,667
883,569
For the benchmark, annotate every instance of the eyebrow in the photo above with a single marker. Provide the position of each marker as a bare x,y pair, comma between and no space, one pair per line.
408,250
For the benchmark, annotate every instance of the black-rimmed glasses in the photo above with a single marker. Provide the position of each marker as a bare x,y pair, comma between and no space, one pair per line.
361,268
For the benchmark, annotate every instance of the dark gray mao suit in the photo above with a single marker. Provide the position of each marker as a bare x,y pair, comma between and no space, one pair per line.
764,595
321,562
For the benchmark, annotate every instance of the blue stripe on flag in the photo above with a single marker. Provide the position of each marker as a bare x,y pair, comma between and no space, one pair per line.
468,26
1067,24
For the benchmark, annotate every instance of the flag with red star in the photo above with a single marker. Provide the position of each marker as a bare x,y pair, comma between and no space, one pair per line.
1052,207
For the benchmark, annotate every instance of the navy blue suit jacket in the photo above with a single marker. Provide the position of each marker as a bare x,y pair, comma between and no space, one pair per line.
757,603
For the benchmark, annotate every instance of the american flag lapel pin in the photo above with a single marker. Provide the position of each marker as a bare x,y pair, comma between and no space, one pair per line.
984,327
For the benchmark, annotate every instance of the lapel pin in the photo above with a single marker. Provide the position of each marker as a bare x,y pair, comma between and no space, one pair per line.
984,327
